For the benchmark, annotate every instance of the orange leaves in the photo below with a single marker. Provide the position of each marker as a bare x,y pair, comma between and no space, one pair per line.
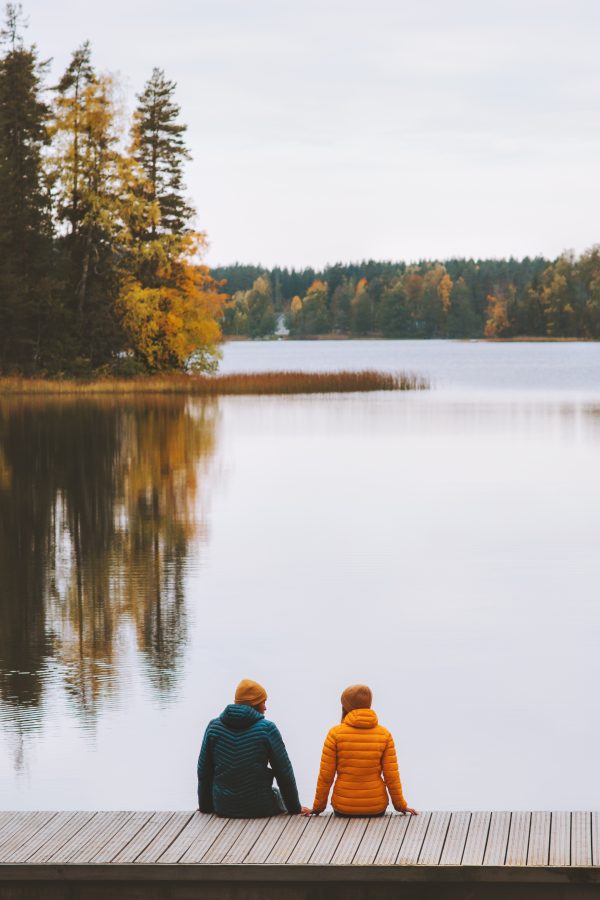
497,322
169,324
317,287
444,290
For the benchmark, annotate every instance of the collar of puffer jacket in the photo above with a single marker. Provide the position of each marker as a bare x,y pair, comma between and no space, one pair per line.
239,716
361,718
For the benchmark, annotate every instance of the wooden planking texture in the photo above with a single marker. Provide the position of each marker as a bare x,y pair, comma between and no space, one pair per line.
456,837
371,840
539,839
511,839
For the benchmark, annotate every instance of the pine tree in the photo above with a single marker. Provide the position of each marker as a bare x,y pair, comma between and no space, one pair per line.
168,305
26,283
159,149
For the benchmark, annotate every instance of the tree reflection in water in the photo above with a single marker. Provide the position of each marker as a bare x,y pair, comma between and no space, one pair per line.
101,508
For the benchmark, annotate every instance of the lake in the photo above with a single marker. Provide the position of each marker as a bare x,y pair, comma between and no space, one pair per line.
441,546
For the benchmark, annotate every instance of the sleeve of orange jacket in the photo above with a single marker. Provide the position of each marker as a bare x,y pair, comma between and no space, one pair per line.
391,775
326,772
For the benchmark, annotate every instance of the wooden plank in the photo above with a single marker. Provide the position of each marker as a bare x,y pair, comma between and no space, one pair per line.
6,816
456,837
204,840
330,838
98,829
121,837
518,839
495,850
250,835
228,836
596,838
581,839
267,839
392,840
185,838
413,839
311,835
288,841
142,839
248,838
348,845
371,841
9,822
51,847
40,837
560,839
477,837
28,823
435,838
165,838
539,839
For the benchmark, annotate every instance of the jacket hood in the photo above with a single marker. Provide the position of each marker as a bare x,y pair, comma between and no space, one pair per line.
361,718
238,716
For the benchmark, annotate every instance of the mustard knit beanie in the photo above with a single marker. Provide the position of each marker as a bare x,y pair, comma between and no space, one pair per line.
357,696
250,692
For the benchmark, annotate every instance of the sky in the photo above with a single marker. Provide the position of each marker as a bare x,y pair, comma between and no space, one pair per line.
338,130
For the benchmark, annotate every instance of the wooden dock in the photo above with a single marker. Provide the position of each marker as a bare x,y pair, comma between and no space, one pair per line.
156,855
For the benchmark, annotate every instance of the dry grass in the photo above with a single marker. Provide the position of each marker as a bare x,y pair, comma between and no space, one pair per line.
217,385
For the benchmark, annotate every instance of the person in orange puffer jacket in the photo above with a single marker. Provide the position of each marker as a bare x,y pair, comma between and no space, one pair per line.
361,753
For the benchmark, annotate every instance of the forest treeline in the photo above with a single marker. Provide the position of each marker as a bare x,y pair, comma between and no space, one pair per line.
99,259
457,298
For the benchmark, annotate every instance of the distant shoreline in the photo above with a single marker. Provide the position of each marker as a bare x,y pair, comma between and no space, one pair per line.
521,339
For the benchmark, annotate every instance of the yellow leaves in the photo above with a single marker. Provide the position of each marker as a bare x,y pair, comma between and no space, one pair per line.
168,324
317,287
444,290
296,304
262,285
497,322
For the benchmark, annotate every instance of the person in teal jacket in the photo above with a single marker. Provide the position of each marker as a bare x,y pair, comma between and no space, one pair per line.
241,754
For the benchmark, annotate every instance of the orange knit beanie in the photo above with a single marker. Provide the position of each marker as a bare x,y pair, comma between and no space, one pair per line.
250,692
357,696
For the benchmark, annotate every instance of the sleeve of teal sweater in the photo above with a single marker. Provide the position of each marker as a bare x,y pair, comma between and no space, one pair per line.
282,769
205,775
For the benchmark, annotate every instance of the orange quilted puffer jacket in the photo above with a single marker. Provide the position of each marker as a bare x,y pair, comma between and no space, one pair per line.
362,753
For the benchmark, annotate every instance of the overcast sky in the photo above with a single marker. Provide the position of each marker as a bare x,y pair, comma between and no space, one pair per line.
327,130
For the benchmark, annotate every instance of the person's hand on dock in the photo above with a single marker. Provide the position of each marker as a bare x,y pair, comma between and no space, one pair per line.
305,811
409,810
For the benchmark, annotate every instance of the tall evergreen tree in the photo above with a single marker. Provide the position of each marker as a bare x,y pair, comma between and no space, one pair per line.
168,305
26,285
159,149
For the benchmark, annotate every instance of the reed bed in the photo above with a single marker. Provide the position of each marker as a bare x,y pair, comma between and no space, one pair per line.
218,385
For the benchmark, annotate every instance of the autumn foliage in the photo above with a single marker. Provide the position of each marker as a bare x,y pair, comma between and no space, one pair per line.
170,325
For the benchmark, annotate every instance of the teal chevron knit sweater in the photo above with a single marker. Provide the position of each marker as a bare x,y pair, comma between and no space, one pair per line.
241,754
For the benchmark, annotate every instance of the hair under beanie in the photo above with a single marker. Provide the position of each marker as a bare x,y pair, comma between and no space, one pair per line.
250,692
357,696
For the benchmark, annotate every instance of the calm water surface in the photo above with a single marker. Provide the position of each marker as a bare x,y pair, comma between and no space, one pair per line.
442,546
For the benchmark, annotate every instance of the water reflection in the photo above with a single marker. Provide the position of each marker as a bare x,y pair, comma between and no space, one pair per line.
98,520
